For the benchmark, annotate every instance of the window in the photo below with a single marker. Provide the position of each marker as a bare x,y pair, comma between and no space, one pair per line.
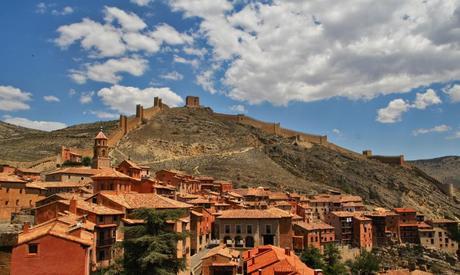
115,218
20,191
7,190
440,234
6,202
268,229
94,200
101,218
238,229
33,248
249,229
101,255
17,202
227,229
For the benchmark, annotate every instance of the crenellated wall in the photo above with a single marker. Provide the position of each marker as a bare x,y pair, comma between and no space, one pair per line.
273,128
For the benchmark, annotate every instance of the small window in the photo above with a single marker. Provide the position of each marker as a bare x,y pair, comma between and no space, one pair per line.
20,191
249,229
268,229
6,202
7,190
94,200
238,229
115,218
17,202
33,248
227,228
101,218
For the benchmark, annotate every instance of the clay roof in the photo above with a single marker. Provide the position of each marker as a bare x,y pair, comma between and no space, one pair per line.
77,171
101,135
278,196
234,194
199,201
10,178
257,192
144,200
97,209
380,212
443,221
273,259
159,186
57,184
343,214
282,203
132,164
55,228
404,210
34,186
28,170
111,173
272,213
222,250
314,226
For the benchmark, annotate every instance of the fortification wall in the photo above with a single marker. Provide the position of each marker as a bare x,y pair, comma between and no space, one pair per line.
273,128
396,160
151,112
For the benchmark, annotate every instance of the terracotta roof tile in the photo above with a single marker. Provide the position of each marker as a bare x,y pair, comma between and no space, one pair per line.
144,200
101,135
314,226
76,171
10,178
111,173
271,213
94,208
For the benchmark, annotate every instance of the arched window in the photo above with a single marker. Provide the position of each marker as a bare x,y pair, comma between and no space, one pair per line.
239,241
227,240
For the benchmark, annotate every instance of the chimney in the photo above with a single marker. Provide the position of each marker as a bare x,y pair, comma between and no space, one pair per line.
73,206
25,227
287,251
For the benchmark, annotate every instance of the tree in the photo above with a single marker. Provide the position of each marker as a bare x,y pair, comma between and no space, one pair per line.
332,260
150,248
366,263
312,257
86,161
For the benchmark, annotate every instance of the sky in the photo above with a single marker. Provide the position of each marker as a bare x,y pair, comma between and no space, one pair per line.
379,75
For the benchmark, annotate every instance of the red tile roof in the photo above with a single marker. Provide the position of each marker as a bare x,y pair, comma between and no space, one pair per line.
101,135
144,200
314,226
111,174
272,213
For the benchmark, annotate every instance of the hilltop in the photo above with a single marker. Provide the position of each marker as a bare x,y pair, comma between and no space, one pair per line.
200,142
445,169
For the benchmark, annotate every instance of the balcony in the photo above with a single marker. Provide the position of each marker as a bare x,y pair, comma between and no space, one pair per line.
106,242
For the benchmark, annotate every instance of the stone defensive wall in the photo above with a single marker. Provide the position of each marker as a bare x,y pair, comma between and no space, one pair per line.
273,128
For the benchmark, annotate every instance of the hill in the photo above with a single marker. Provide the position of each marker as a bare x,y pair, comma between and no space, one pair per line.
195,141
445,169
199,142
25,145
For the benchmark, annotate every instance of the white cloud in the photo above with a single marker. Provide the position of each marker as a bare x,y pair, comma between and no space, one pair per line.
124,99
13,99
427,99
194,51
128,21
35,124
110,70
169,35
453,92
337,132
86,98
456,135
205,80
193,62
104,115
51,98
41,8
120,32
393,112
282,51
172,76
72,92
240,109
435,129
141,3
65,11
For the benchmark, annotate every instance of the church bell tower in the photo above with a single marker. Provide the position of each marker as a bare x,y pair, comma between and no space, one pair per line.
101,152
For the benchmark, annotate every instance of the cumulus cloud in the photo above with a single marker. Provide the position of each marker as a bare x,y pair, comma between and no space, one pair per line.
395,109
240,109
141,3
427,99
282,51
205,80
435,129
124,99
103,115
453,92
34,124
86,98
110,70
179,59
13,99
120,32
51,98
456,135
393,112
336,131
65,11
172,76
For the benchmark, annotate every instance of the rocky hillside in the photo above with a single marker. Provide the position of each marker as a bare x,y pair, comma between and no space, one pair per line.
23,144
195,141
445,169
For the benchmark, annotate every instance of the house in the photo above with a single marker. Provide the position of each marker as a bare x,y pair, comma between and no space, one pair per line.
268,259
351,228
317,234
221,260
73,174
247,228
201,223
408,225
385,226
28,174
133,170
54,247
437,234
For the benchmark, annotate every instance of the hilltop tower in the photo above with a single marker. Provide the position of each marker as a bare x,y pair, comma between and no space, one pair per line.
101,152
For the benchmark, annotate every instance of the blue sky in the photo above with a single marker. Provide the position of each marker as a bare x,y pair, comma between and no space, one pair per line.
380,76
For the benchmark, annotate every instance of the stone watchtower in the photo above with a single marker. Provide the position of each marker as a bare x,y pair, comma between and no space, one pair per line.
192,101
101,152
